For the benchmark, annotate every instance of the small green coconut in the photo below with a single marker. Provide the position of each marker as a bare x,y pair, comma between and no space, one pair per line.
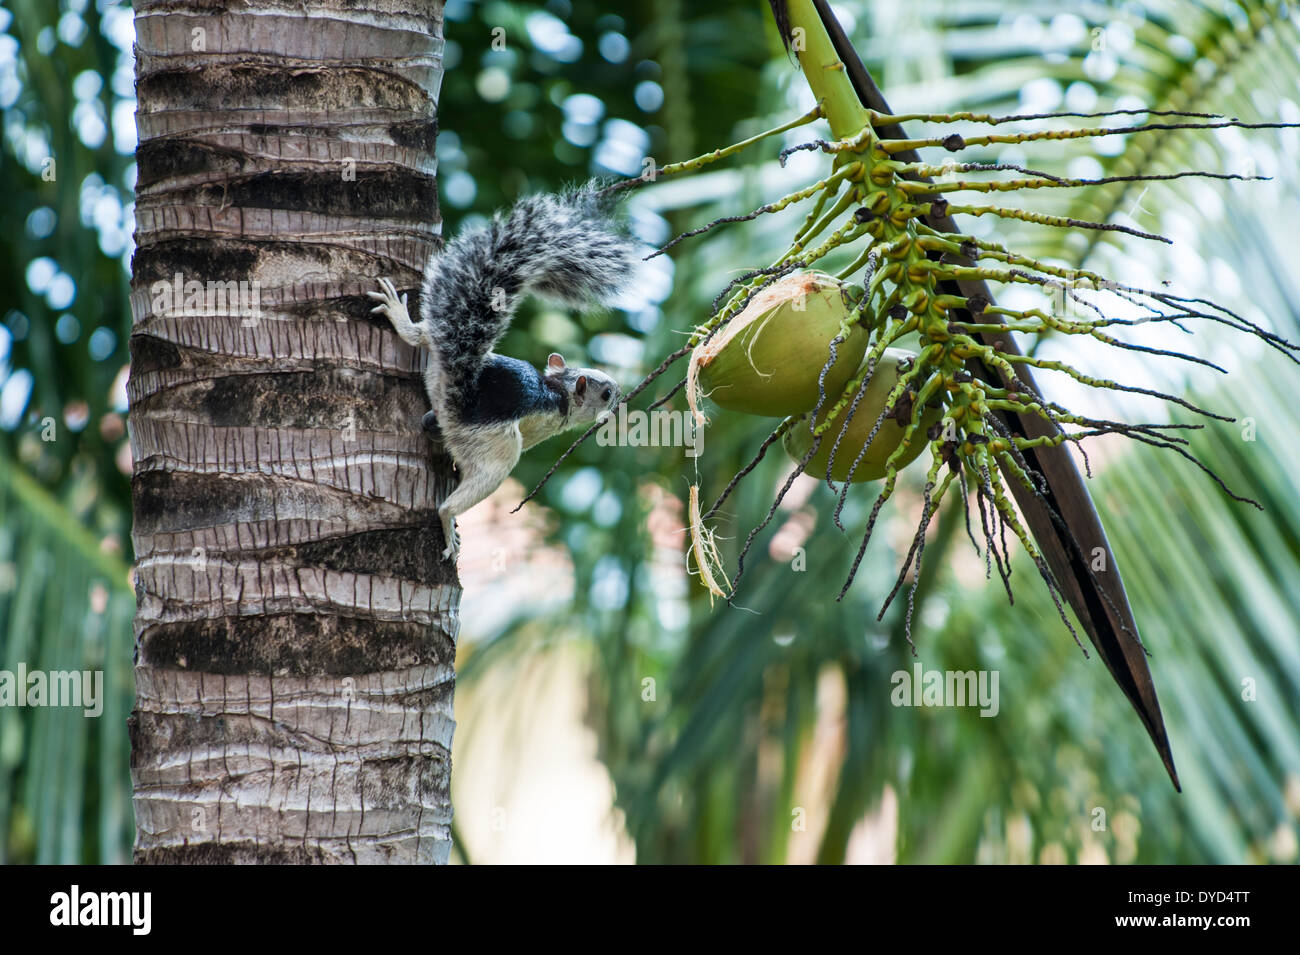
799,438
768,359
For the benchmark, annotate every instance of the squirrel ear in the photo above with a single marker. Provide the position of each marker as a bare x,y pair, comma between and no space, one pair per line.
580,386
555,361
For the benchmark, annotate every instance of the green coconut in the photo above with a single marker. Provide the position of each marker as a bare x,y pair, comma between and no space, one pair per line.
799,438
767,360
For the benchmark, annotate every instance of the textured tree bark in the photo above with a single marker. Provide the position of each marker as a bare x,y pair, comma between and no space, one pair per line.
295,625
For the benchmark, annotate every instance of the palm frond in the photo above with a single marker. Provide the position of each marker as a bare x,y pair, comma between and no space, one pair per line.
65,605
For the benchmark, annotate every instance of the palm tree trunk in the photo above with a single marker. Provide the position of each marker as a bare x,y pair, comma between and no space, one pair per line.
295,624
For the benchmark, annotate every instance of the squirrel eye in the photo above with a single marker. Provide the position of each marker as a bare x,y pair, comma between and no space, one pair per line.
605,394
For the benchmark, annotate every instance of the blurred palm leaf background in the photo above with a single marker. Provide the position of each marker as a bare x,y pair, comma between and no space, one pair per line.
763,732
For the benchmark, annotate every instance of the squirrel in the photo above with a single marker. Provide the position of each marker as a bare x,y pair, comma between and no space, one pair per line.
491,408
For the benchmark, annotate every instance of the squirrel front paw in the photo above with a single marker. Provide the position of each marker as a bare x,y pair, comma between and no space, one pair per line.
429,424
393,307
389,301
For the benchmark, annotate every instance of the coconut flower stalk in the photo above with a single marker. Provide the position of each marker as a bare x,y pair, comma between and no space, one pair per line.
965,394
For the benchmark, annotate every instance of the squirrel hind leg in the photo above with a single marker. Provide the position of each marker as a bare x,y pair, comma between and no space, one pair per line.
485,460
449,534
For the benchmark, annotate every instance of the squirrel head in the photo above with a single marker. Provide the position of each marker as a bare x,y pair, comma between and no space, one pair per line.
592,393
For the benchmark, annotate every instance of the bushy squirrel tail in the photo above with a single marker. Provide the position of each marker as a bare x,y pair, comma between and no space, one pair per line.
567,248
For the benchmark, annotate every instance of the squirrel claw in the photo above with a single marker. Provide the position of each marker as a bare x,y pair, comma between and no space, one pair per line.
452,549
451,537
385,302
